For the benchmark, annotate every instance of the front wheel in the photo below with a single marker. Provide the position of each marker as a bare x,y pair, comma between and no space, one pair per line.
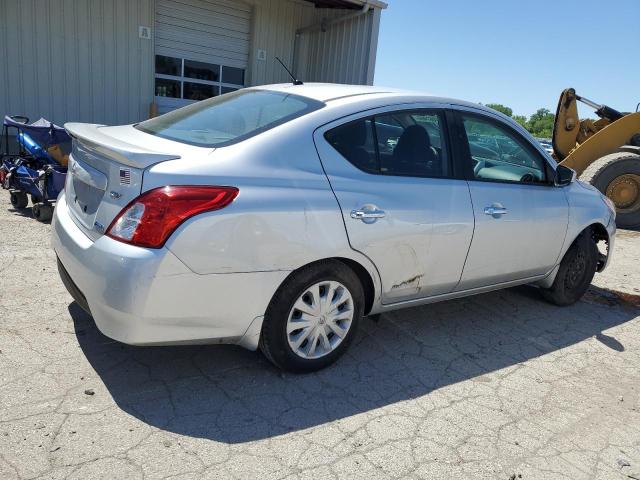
575,273
313,317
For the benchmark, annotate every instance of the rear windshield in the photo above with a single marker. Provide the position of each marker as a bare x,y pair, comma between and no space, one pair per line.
229,118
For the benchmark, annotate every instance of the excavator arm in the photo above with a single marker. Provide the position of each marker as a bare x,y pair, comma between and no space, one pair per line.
604,152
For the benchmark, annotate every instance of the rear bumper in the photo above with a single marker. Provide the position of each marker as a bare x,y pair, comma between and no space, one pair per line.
146,296
72,288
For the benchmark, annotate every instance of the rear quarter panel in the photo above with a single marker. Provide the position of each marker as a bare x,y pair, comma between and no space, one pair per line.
284,217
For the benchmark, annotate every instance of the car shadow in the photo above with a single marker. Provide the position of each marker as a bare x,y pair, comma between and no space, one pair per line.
28,213
231,395
22,212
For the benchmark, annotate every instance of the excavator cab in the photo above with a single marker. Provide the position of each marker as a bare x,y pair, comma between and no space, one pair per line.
604,152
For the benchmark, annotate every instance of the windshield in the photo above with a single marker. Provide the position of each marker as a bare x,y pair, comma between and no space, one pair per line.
229,118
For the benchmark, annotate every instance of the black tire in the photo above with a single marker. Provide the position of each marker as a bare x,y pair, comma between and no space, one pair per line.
273,339
42,212
19,200
604,170
576,271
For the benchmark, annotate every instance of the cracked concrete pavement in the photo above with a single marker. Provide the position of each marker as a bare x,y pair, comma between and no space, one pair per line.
497,386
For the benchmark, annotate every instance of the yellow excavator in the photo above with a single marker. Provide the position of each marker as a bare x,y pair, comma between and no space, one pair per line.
603,152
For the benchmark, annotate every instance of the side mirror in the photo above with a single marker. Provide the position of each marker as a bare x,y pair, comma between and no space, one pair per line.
564,176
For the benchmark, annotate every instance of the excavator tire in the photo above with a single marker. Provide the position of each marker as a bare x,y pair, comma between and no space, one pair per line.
617,175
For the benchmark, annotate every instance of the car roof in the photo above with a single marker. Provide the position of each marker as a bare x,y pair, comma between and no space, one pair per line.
324,92
329,92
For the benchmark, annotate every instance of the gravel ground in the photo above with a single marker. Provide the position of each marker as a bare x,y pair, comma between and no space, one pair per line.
497,386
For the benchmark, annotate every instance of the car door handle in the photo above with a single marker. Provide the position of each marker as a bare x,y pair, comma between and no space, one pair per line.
367,214
495,210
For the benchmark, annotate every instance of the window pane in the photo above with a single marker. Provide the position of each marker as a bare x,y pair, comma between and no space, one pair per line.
410,144
355,142
225,119
499,154
201,70
232,75
198,91
227,90
167,88
431,124
168,65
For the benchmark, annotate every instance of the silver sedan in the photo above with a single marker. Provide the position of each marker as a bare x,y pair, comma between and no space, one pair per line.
278,216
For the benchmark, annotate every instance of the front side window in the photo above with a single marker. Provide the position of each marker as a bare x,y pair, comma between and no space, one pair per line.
220,121
404,143
500,154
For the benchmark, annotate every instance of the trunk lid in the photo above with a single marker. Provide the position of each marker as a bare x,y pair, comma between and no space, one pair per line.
105,172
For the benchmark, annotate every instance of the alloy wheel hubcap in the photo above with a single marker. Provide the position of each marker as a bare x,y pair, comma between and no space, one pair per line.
320,319
576,270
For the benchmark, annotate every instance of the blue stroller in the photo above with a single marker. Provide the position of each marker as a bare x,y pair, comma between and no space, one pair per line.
39,167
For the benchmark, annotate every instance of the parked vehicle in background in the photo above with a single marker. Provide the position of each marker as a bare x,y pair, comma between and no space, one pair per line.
547,146
279,216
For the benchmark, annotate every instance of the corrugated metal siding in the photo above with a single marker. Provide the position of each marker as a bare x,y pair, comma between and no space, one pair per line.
345,53
341,54
82,60
76,60
274,26
213,31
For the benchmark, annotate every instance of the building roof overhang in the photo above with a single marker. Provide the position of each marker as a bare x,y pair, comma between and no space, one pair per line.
348,4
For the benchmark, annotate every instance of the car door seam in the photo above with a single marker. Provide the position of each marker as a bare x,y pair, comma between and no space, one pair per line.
473,232
344,224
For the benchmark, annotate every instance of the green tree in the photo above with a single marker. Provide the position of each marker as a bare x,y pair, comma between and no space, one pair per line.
521,119
540,124
501,108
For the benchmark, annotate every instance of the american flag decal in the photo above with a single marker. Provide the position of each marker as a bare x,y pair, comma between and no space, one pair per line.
125,176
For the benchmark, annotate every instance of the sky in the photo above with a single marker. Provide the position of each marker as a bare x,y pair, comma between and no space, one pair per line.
520,53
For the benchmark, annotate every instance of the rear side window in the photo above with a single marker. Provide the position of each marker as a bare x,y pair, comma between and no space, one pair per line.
355,141
404,143
230,118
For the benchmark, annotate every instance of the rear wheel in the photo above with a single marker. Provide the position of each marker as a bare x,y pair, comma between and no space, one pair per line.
19,199
575,272
618,177
313,317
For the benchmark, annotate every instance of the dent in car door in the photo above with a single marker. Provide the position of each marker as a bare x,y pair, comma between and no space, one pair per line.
415,230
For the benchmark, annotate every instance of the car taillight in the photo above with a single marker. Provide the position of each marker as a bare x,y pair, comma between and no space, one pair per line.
150,219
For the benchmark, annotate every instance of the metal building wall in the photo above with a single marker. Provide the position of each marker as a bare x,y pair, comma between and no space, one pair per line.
76,60
344,53
274,26
82,60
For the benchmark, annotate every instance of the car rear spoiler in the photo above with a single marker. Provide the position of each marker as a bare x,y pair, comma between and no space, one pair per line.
106,141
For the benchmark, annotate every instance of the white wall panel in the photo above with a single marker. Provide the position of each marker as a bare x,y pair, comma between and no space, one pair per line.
344,53
76,60
82,60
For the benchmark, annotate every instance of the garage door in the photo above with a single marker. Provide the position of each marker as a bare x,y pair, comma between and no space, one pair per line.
202,49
